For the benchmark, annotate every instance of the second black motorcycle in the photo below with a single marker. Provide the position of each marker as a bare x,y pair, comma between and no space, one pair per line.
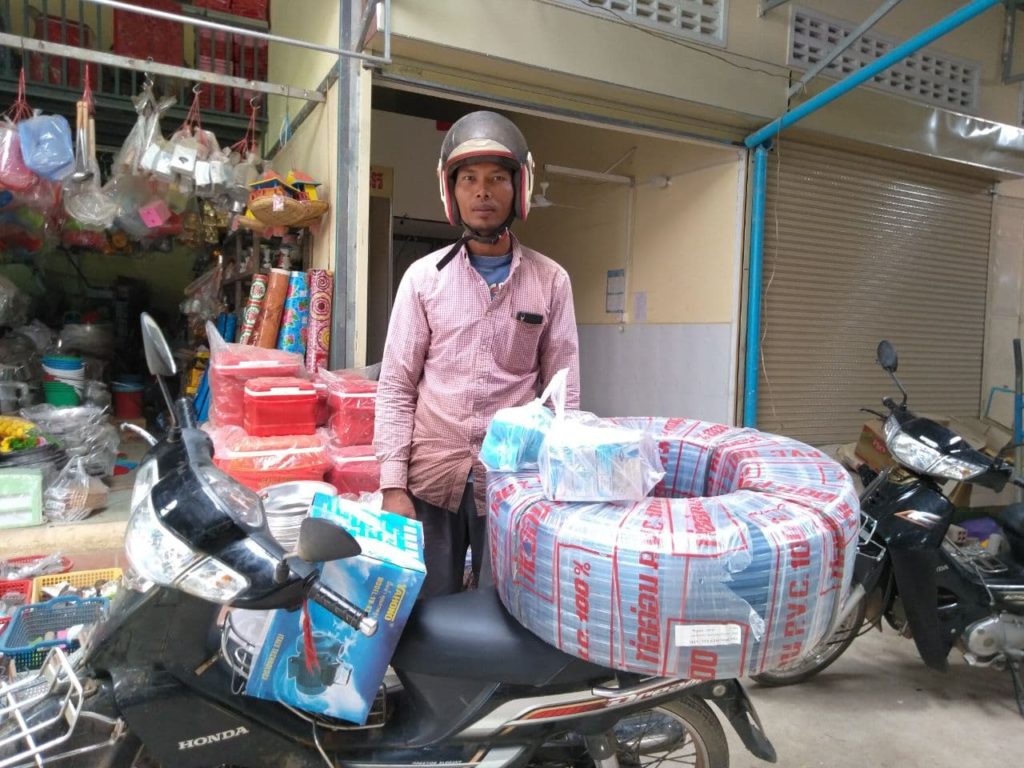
912,572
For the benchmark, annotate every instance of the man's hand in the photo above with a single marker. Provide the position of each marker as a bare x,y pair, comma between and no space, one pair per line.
398,501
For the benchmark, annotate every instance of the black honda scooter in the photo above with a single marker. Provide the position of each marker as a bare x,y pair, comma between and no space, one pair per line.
152,685
927,585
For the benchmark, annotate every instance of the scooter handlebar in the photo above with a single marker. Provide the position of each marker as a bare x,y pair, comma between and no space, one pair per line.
343,609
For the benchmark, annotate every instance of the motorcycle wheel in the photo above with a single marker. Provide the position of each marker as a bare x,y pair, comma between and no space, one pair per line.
820,657
680,733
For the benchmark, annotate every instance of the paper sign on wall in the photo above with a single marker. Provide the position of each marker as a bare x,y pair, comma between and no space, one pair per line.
615,294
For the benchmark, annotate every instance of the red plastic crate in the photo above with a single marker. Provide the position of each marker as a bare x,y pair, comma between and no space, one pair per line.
279,406
21,587
50,69
251,9
224,6
143,36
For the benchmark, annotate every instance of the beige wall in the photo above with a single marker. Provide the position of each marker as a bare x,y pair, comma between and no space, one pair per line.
315,21
577,61
679,244
410,147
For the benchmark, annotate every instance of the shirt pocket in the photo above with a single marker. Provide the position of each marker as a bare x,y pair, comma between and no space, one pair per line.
516,347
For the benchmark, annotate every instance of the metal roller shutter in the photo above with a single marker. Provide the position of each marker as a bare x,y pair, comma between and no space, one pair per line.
857,249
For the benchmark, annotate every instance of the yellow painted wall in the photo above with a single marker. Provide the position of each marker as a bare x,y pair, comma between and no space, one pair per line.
681,249
312,20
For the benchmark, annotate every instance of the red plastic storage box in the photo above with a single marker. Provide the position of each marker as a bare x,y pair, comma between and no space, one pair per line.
257,462
352,404
354,469
279,406
141,36
232,367
51,69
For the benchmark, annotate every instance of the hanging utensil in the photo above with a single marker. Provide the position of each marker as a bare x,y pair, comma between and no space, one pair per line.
83,170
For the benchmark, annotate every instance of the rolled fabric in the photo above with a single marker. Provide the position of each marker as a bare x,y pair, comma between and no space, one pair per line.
269,322
292,336
251,311
318,334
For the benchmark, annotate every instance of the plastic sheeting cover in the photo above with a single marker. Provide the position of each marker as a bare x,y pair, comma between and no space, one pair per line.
736,564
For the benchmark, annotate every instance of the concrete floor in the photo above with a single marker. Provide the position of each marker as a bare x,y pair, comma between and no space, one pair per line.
879,706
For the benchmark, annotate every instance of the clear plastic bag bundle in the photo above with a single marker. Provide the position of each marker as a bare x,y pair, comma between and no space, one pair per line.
584,458
67,500
515,435
46,146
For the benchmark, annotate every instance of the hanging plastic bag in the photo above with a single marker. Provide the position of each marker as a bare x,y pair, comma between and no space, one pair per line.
515,435
145,132
246,163
14,174
584,458
67,500
84,198
46,146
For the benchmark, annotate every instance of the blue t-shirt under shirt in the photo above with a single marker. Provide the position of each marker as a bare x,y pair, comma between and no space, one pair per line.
493,269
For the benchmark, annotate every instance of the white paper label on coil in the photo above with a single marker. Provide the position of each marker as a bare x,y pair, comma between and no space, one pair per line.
708,634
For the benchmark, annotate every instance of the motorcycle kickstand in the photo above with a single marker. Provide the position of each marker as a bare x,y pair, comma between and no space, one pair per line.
1018,685
603,749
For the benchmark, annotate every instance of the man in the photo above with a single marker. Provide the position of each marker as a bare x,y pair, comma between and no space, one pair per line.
480,326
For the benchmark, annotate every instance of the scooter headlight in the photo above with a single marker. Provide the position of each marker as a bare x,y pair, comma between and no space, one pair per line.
158,555
924,458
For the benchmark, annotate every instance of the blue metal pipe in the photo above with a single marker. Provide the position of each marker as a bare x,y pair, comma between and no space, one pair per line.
898,53
754,286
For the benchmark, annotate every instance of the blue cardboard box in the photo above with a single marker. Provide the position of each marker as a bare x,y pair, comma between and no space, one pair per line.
384,580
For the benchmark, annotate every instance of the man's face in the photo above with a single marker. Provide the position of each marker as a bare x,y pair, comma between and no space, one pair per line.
484,194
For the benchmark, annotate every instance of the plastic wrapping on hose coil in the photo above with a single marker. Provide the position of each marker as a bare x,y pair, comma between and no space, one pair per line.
736,564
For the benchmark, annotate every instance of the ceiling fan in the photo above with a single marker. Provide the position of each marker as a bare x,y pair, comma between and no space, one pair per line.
541,199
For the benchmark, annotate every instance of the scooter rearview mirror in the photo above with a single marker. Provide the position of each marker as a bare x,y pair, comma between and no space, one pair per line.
321,541
159,359
886,356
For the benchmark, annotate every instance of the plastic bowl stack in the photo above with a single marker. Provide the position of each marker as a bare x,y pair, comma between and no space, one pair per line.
63,379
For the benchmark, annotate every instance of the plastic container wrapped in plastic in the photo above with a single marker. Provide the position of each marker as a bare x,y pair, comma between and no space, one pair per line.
515,435
352,403
279,406
232,365
738,563
354,469
14,174
46,146
257,462
584,458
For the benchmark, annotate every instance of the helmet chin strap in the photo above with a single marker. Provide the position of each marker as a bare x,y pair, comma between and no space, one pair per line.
480,237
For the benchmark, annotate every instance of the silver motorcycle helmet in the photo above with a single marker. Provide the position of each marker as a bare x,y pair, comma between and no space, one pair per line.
481,137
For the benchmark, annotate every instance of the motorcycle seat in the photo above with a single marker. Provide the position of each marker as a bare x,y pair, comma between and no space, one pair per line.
1011,520
471,636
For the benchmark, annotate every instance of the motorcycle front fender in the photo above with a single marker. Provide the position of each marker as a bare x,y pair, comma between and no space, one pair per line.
739,711
914,572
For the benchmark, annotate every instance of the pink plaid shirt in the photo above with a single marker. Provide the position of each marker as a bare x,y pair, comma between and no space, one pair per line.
454,356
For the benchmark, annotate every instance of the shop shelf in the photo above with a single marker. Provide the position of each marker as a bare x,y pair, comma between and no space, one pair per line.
74,578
